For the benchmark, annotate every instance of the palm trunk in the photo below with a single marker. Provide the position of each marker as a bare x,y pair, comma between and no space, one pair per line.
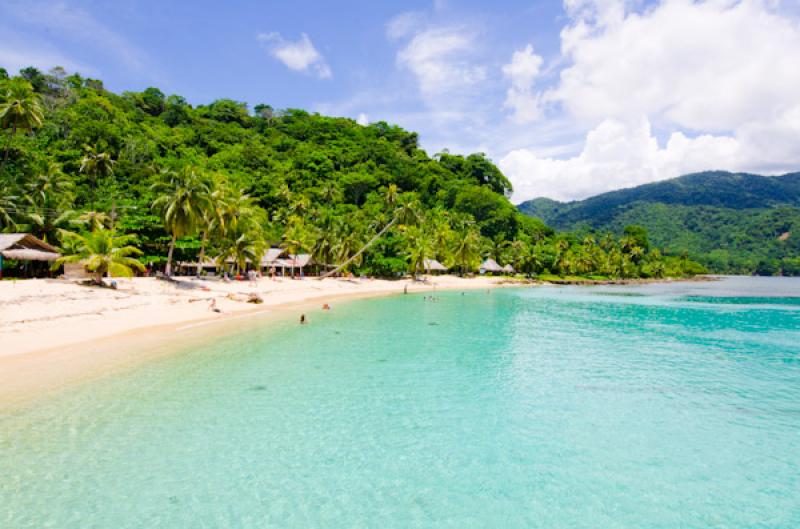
202,253
8,145
168,270
363,248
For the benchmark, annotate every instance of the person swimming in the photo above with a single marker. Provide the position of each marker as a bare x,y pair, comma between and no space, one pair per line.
326,307
302,319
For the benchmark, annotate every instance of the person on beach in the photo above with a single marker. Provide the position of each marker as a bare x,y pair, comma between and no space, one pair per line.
213,305
302,319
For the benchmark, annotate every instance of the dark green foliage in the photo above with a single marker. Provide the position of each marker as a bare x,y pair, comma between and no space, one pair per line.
308,182
732,223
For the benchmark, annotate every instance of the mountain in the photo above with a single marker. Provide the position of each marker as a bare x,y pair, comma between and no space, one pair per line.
731,222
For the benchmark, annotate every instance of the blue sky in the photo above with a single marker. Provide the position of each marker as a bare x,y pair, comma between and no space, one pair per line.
570,98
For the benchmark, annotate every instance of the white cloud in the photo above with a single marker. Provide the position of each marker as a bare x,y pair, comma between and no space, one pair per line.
522,71
720,76
440,60
362,119
300,55
404,24
704,66
617,155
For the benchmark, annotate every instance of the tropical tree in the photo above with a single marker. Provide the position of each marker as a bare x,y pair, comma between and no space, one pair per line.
8,205
297,238
182,196
419,247
49,193
20,109
466,251
101,252
95,165
242,244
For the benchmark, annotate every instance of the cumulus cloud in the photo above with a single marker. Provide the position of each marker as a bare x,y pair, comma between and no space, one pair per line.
617,155
720,75
299,55
362,119
522,71
439,59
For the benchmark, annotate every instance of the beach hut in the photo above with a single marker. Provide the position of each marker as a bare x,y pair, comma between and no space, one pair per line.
27,248
433,266
508,269
490,266
190,267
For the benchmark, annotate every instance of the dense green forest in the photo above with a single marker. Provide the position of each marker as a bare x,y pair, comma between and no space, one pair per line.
731,223
141,177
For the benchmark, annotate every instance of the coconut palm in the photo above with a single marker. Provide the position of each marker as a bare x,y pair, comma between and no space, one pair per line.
466,252
102,252
96,165
182,196
8,205
48,194
406,212
297,238
419,247
20,109
242,244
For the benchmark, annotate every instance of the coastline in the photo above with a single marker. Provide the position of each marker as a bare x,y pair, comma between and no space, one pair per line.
56,334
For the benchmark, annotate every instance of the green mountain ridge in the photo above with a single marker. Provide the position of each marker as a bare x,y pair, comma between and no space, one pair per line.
731,222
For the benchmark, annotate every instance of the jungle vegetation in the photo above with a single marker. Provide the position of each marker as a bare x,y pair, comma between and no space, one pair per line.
165,181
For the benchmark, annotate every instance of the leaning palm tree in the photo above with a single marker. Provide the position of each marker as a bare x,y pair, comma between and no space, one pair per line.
406,212
102,252
20,109
181,198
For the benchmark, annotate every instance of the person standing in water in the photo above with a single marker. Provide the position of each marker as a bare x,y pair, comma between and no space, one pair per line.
302,319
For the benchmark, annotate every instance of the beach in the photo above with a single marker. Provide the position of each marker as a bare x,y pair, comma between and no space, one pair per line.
55,332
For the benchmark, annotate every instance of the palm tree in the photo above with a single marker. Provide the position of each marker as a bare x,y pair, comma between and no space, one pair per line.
182,197
297,238
8,205
48,193
102,252
96,164
242,244
93,220
466,251
406,212
419,248
21,109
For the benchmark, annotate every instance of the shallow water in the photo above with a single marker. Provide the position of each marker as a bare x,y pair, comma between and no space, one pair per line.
657,406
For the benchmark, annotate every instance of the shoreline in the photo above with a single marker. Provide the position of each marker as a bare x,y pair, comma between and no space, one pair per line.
52,344
56,334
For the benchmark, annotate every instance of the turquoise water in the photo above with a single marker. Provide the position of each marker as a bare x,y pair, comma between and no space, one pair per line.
663,406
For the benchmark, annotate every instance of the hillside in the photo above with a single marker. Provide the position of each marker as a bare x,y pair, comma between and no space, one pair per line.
733,223
82,165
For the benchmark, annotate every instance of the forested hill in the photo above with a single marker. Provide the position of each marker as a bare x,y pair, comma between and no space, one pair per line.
733,223
225,181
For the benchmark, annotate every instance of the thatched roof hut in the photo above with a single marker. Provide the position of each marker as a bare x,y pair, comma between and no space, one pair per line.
490,265
432,265
26,247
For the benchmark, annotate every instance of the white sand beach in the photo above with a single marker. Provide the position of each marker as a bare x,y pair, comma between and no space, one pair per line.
53,332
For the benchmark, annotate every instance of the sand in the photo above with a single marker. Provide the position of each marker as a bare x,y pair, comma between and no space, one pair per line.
54,332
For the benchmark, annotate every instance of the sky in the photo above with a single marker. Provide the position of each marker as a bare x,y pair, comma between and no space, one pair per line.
569,99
